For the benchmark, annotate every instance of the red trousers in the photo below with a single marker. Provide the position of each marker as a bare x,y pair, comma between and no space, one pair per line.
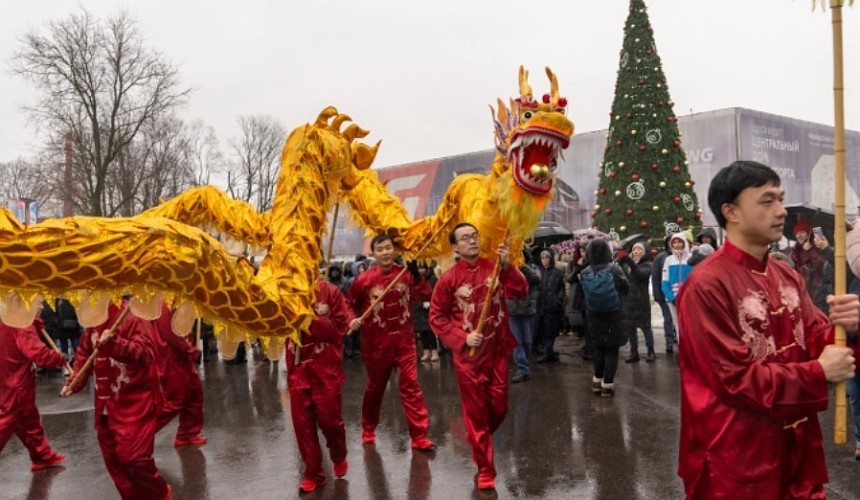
26,423
485,405
127,452
318,407
379,370
183,397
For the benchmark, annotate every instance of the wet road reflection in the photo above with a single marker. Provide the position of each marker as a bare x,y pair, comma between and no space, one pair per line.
559,441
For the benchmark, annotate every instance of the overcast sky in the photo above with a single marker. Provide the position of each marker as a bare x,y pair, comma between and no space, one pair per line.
420,75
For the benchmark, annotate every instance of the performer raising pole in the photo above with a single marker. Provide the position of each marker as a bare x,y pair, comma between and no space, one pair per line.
482,378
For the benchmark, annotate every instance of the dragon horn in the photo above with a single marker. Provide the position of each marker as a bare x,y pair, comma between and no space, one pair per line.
322,119
553,80
354,131
338,121
525,88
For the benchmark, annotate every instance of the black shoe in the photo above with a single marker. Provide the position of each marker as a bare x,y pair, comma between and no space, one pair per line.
650,357
633,358
669,350
519,377
596,387
548,359
607,392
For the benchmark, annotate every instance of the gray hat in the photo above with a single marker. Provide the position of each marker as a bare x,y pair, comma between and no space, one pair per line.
546,253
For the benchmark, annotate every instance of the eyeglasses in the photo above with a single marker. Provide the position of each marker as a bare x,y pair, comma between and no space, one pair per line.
468,238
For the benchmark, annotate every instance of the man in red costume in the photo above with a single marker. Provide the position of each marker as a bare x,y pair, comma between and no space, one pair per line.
388,341
757,360
127,402
180,382
455,310
19,349
315,386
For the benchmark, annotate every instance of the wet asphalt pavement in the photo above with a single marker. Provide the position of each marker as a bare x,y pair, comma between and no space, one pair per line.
559,441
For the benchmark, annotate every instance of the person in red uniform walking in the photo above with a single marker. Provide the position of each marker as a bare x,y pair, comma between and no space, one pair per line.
388,341
19,349
455,310
127,402
180,382
315,386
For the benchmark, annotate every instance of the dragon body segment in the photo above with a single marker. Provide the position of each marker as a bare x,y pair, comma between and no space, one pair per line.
164,253
504,205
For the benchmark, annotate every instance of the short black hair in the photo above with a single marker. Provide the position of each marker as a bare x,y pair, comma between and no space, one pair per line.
380,238
452,237
727,185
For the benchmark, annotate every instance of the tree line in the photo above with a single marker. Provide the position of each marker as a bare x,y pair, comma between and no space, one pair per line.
120,103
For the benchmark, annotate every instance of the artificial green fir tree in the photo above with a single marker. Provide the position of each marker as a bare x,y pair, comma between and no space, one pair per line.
645,185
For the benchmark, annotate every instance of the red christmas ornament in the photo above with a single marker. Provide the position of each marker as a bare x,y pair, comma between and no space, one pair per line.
629,115
649,52
698,215
602,191
679,220
677,143
659,103
618,143
670,119
677,199
606,148
676,169
593,214
692,182
641,81
629,211
635,177
607,211
642,147
612,174
654,166
643,223
547,98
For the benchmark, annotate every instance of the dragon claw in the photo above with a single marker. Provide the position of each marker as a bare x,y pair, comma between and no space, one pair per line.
354,131
338,121
325,114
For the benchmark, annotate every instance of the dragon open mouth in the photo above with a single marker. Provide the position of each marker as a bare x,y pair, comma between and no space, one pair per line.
534,154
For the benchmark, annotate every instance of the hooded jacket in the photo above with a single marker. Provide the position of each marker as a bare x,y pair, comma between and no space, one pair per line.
675,268
709,232
551,297
637,304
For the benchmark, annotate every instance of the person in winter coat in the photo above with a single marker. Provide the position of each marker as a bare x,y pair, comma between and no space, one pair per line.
550,306
573,276
852,253
421,318
335,277
606,328
637,304
675,271
660,299
19,349
522,317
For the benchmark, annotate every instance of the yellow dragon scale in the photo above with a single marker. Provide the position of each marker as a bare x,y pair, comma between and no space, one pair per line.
163,251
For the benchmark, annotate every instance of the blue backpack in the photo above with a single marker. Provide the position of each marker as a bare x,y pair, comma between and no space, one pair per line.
600,293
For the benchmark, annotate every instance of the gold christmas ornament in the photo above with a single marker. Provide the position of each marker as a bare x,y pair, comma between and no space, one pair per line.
633,132
656,208
662,184
617,192
665,151
622,228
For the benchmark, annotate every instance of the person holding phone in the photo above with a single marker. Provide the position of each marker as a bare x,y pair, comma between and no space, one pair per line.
809,260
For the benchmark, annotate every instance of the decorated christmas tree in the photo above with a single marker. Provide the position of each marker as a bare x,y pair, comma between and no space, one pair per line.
645,185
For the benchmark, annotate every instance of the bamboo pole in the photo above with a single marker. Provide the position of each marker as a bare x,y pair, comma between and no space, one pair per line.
84,369
840,414
53,346
402,271
494,278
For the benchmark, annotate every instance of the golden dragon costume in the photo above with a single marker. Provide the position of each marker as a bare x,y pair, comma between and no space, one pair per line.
162,254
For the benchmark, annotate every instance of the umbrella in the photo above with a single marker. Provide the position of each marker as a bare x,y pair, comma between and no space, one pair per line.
550,233
628,242
815,216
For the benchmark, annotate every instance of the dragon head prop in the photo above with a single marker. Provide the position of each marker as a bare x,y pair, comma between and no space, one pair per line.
531,135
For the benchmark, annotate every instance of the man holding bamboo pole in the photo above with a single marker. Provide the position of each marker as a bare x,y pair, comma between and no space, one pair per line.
480,353
382,300
756,366
19,349
127,399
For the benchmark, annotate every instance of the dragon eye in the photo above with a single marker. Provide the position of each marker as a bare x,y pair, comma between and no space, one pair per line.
527,115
